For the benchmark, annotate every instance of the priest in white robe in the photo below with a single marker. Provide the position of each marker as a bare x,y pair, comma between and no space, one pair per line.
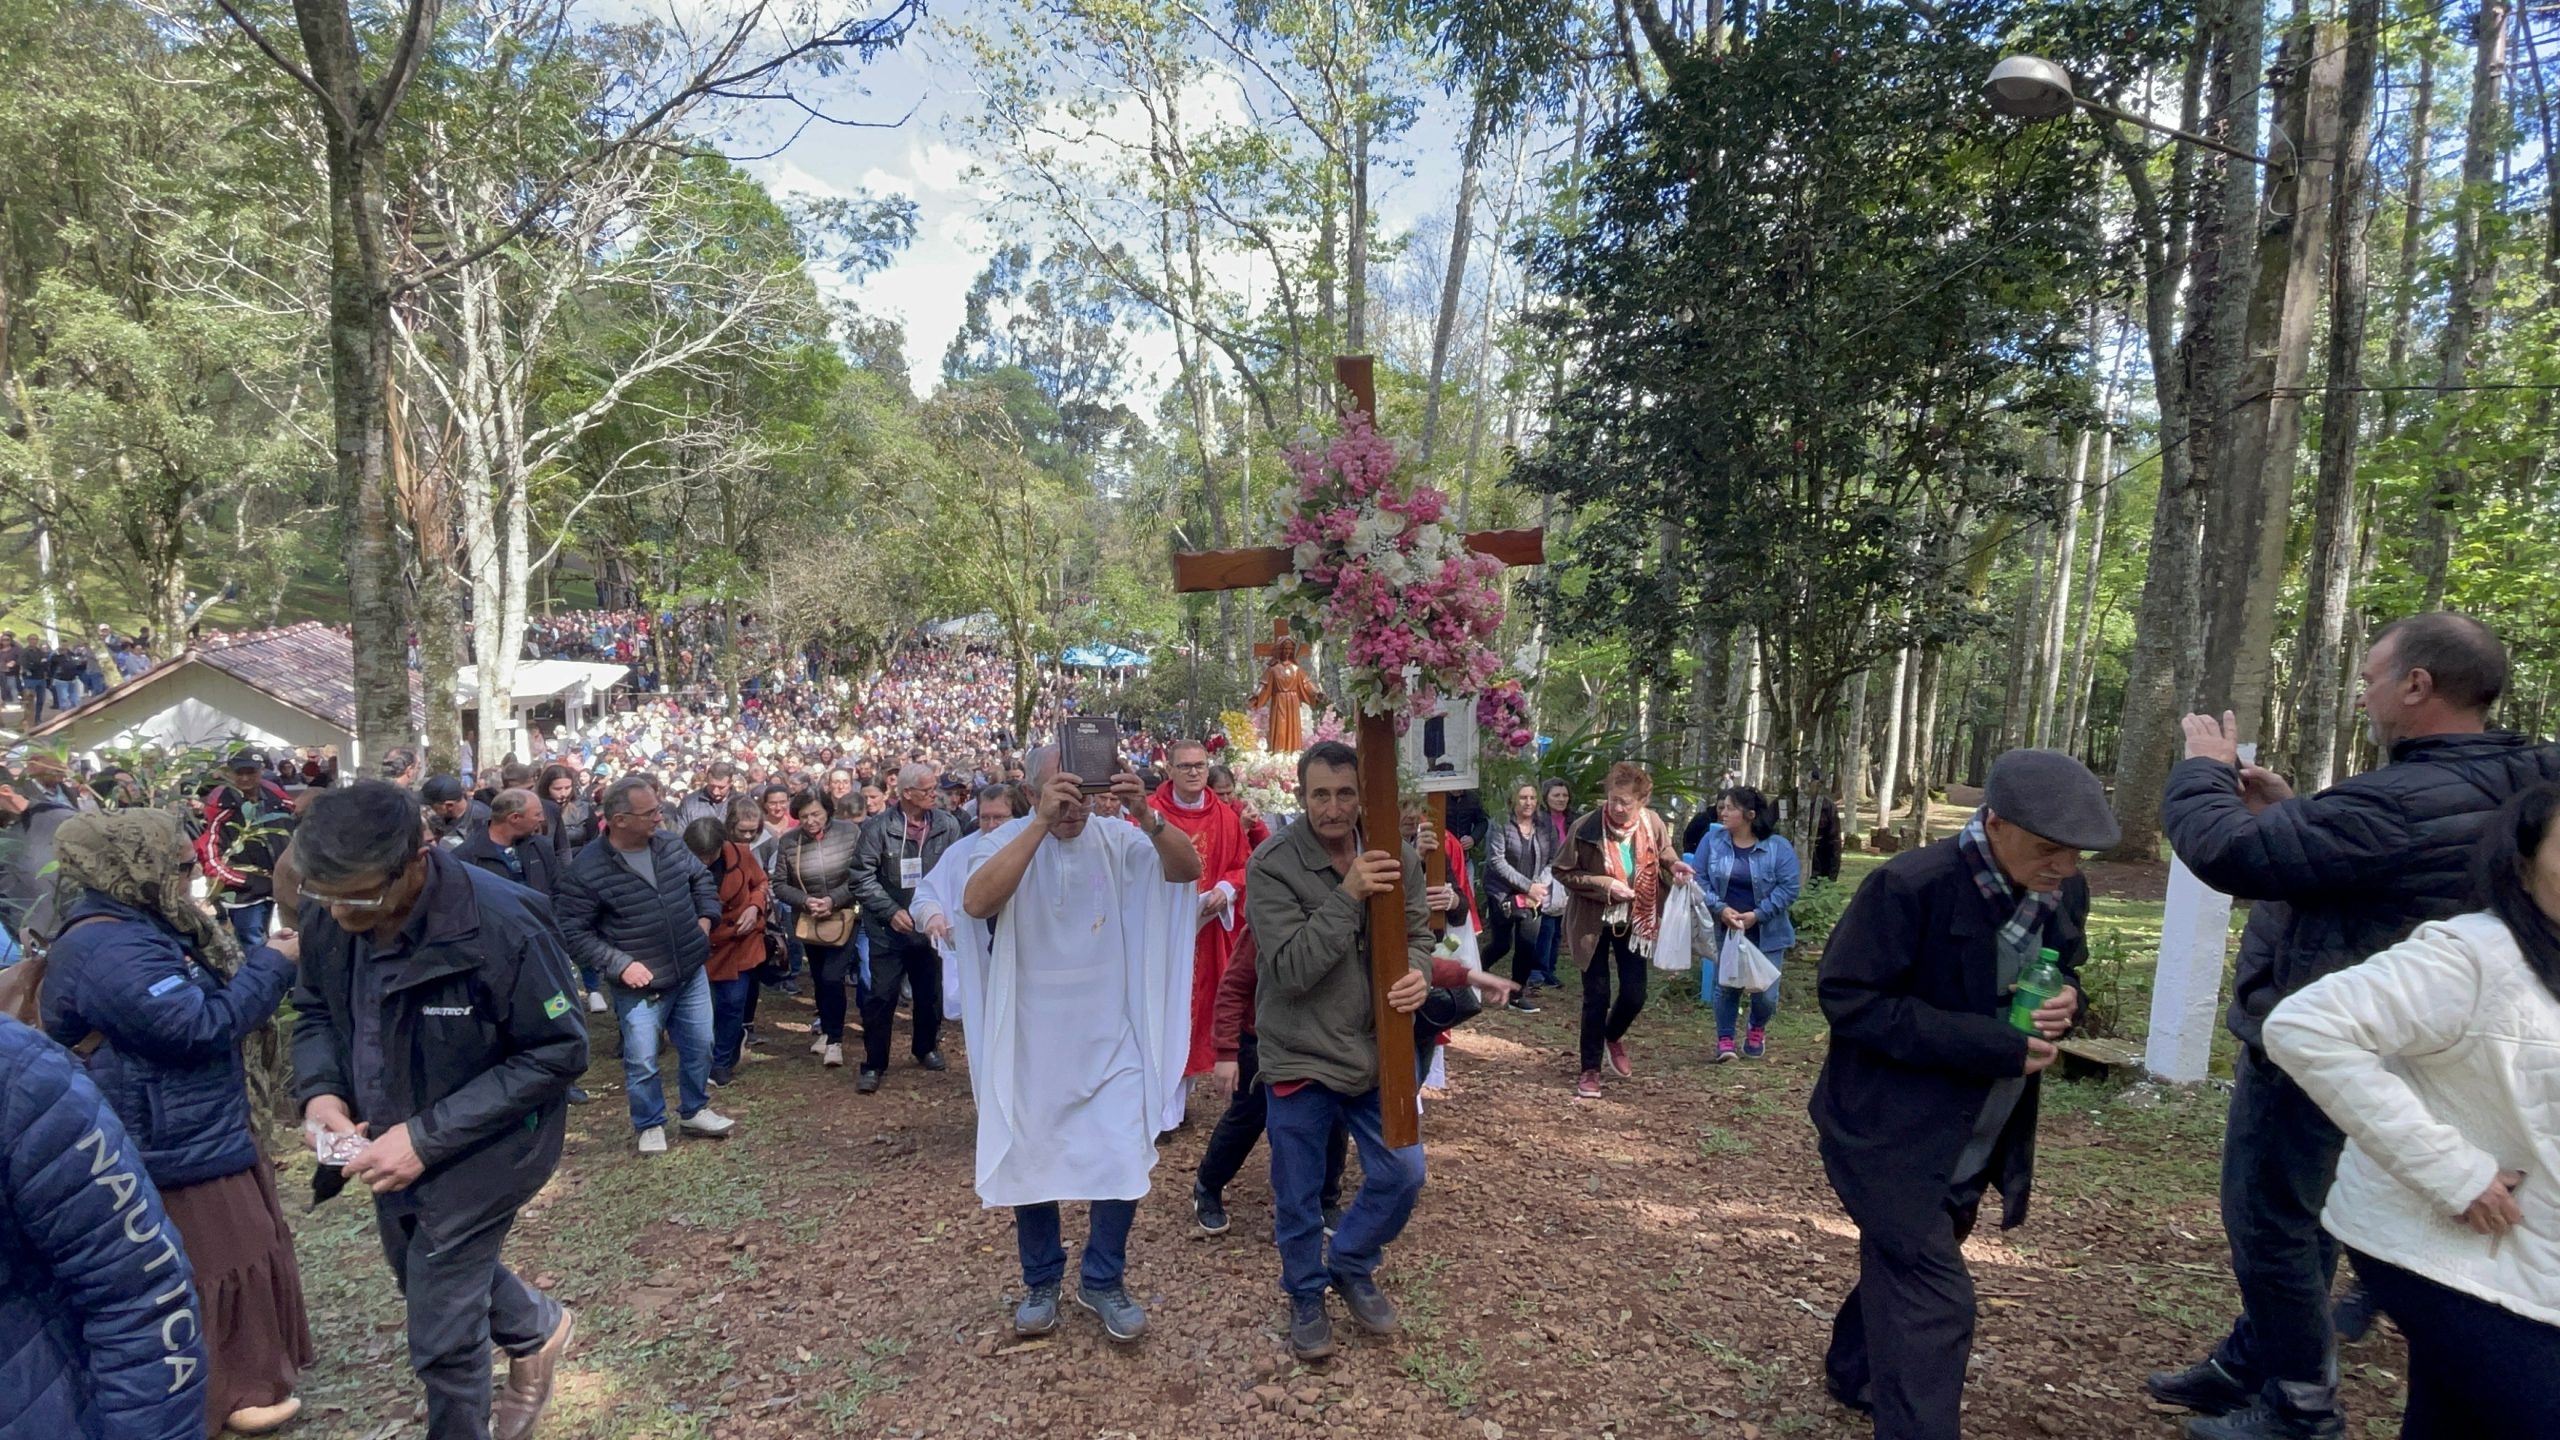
1078,1013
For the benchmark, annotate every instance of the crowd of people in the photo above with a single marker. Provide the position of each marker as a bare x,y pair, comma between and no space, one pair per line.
47,675
1110,943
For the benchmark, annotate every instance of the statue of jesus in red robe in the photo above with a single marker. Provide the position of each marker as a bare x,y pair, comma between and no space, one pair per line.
1186,802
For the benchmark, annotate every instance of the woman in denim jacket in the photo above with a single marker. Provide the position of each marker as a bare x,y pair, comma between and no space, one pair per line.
1751,878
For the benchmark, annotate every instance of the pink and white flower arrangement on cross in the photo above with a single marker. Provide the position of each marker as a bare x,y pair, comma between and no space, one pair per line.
1415,609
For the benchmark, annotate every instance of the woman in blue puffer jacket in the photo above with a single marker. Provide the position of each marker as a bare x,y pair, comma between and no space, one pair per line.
98,1332
156,992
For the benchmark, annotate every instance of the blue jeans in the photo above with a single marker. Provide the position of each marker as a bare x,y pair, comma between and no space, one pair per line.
685,1013
1298,1125
66,694
249,922
1728,1001
1106,1244
730,1000
1550,944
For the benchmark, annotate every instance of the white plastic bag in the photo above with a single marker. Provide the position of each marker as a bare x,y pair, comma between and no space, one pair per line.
1743,966
1461,943
1702,922
1671,939
1556,896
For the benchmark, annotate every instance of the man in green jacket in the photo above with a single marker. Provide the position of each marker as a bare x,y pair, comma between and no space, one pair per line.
1307,899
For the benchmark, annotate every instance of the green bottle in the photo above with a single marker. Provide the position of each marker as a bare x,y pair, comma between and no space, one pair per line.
2041,982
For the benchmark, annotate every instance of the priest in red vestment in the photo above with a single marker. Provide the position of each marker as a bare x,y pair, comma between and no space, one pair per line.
1184,800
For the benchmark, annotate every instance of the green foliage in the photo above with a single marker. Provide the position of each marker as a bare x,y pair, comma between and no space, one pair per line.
159,319
1581,757
1816,292
1819,906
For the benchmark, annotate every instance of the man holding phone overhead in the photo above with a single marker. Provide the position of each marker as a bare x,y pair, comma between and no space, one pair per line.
1077,1012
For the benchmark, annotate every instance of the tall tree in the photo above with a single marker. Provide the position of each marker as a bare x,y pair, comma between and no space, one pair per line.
357,69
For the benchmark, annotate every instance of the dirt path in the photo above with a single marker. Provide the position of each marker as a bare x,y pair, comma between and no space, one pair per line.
1661,1263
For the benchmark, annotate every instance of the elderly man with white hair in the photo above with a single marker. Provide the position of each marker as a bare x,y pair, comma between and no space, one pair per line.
899,845
1078,1014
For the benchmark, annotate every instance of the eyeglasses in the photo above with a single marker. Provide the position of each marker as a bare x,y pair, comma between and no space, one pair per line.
1190,764
652,814
378,900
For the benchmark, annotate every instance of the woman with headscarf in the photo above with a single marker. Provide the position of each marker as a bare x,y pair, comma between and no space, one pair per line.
145,981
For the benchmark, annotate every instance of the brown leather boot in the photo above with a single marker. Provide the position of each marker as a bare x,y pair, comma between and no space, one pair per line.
520,1405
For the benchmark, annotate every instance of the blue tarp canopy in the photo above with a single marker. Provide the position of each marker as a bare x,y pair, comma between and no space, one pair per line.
1104,657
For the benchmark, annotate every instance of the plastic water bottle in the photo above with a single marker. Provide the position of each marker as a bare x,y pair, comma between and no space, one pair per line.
2042,981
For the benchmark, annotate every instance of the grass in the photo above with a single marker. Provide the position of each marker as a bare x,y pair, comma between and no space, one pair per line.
1452,1375
1720,1141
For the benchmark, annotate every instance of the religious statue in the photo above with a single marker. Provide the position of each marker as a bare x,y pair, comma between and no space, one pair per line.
1285,687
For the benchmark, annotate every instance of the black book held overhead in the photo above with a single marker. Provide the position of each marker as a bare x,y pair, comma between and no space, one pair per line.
1089,749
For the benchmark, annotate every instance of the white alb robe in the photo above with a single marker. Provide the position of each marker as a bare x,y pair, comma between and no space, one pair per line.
1076,1012
939,894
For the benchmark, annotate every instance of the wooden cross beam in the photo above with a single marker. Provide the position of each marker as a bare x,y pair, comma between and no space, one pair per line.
1247,569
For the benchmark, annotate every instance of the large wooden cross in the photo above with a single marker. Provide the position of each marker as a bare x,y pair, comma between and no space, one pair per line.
1247,569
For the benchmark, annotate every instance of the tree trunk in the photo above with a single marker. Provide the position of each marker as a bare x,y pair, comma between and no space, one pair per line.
2160,675
1707,699
2058,598
2473,284
1355,288
2083,663
2268,430
2413,216
2016,697
1754,761
2331,565
1896,719
1850,781
1453,283
1924,739
355,116
425,490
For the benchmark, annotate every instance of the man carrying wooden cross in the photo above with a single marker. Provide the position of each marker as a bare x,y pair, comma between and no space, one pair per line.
1307,897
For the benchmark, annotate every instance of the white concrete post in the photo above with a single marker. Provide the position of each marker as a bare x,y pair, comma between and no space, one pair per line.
2186,989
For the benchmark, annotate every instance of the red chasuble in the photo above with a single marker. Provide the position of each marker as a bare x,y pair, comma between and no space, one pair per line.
1219,837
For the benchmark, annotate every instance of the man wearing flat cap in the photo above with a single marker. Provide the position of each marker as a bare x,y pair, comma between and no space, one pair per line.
1928,1098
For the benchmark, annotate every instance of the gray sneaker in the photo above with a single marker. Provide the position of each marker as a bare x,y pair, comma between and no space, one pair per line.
1038,1312
1123,1319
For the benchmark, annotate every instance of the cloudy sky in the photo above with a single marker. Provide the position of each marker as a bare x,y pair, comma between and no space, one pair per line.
928,159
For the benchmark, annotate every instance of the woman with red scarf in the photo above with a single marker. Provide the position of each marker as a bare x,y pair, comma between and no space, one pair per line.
1618,864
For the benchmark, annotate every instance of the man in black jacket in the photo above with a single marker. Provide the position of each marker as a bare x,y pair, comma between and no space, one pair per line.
899,847
638,909
434,1017
2337,877
1928,1097
513,846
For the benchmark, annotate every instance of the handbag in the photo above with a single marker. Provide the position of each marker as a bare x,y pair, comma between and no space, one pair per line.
1702,923
1744,966
831,929
776,966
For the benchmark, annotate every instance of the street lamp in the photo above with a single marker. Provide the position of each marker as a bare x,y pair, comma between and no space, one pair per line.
2030,87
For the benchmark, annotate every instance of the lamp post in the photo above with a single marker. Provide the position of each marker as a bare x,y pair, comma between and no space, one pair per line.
2030,87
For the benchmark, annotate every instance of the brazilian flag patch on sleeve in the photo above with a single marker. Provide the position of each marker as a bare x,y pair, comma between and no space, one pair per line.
556,1006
